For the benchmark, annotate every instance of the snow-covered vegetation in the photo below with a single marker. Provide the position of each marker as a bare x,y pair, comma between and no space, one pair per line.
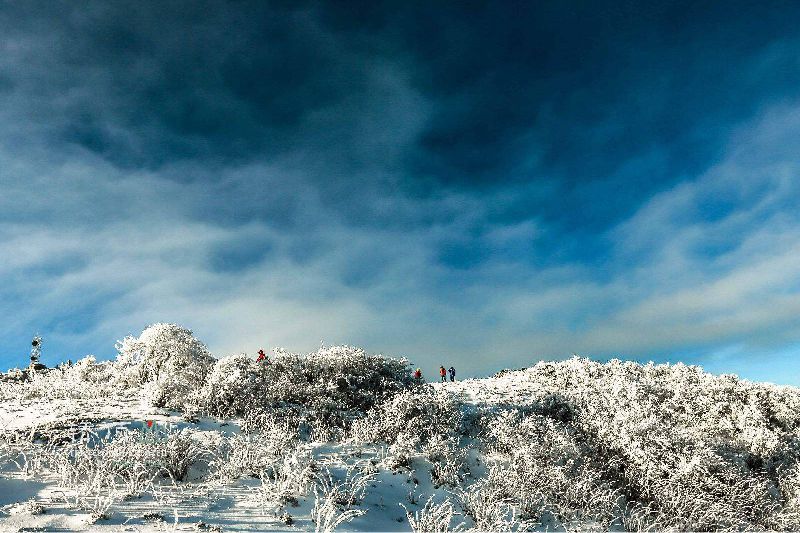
167,360
167,437
321,392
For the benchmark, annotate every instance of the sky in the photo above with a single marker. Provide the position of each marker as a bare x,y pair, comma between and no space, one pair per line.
482,184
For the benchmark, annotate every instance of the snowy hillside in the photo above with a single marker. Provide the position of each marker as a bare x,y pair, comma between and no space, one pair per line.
167,438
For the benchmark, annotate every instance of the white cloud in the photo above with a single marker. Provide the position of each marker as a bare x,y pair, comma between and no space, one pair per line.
138,247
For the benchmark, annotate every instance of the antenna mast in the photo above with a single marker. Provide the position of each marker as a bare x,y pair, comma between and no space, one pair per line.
36,349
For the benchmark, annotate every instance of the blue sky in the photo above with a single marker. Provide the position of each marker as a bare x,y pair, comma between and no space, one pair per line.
483,184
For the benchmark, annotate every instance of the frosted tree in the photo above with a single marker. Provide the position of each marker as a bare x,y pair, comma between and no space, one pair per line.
169,358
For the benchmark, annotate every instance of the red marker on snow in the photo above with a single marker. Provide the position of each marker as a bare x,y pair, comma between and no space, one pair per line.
149,423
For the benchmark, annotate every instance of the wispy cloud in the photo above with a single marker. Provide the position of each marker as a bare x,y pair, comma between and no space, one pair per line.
465,198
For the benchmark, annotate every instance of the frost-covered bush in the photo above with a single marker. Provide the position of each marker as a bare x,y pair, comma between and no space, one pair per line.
286,468
123,459
87,378
488,506
286,478
249,455
32,507
320,391
264,420
552,470
236,385
419,414
167,360
327,516
335,498
347,490
447,456
338,377
434,518
420,421
647,447
7,449
94,471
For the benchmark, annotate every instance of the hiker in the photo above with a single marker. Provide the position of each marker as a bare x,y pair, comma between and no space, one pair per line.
443,373
452,371
262,357
418,376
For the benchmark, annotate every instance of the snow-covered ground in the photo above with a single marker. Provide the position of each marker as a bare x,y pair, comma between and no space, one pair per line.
167,438
30,502
510,389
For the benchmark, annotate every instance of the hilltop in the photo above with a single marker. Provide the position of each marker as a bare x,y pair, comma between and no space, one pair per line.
168,438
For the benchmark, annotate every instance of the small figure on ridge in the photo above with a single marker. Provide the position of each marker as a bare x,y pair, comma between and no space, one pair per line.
452,371
443,373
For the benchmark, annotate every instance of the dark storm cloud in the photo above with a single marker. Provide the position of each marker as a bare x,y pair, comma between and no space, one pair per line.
182,79
561,96
420,175
578,92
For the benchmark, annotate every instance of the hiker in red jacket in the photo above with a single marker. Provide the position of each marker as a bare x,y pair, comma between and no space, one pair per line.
418,376
443,373
262,357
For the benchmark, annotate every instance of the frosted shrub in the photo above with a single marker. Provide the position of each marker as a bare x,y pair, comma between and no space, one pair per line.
789,486
237,384
651,447
11,445
169,453
327,516
399,454
321,392
249,455
287,477
552,470
180,451
11,388
122,464
334,498
486,503
434,518
418,414
85,379
242,456
363,379
339,378
448,459
348,491
280,422
168,359
87,480
704,491
419,420
31,507
554,406
136,480
88,370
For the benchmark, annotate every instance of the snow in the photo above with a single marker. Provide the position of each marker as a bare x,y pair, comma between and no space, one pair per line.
537,448
233,506
15,490
24,415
